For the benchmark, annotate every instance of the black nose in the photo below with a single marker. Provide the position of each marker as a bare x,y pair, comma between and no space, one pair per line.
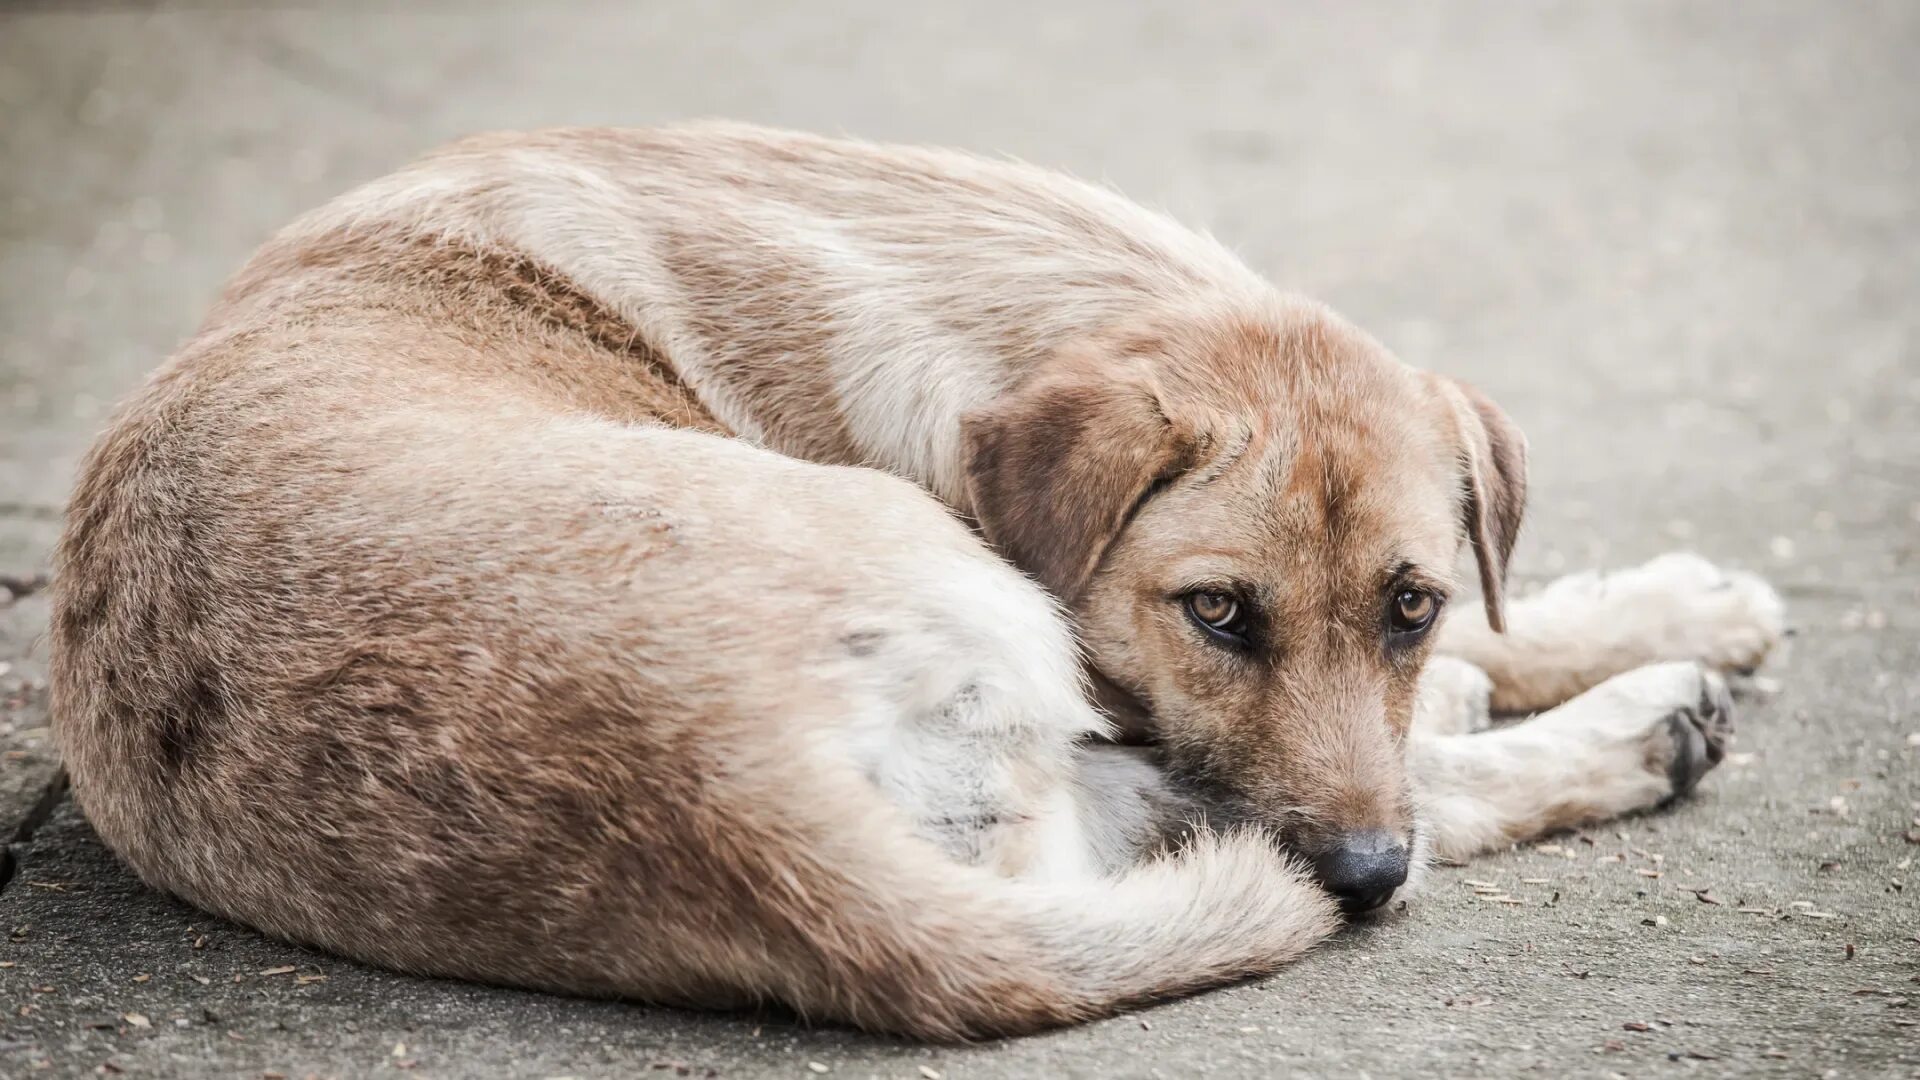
1362,869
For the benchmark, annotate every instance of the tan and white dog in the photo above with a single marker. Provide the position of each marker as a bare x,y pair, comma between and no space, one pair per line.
677,564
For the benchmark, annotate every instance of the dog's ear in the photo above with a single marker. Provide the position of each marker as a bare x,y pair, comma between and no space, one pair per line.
1493,459
1056,467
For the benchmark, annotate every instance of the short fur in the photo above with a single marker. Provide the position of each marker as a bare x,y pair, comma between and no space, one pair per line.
551,565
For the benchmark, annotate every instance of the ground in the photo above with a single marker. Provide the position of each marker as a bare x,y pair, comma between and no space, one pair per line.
1680,243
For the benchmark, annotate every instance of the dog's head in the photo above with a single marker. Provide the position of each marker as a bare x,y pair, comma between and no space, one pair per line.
1256,522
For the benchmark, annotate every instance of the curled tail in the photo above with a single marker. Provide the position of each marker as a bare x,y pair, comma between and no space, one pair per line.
987,956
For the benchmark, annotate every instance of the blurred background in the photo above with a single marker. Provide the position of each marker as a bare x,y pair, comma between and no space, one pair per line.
1680,243
1649,229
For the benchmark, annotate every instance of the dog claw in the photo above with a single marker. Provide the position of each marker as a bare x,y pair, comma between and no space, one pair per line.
1700,734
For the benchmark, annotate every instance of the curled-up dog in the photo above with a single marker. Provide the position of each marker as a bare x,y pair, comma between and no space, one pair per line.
711,565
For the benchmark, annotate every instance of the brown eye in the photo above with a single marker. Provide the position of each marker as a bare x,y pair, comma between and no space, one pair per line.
1217,613
1213,608
1413,610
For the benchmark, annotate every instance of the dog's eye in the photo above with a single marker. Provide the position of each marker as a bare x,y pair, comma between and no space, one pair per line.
1413,610
1219,615
1215,609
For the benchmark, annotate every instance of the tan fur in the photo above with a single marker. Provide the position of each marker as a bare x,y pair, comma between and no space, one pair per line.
1494,457
549,565
1301,464
1586,628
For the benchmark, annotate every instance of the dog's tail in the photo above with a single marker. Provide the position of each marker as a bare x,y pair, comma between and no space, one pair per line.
971,955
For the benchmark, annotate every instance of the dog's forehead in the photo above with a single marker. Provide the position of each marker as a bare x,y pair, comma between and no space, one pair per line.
1369,486
1324,443
1334,447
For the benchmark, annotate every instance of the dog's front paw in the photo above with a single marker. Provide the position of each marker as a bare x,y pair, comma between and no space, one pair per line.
1455,698
1680,607
1654,733
1698,734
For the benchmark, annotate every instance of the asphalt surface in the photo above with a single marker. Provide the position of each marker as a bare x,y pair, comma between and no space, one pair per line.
1680,243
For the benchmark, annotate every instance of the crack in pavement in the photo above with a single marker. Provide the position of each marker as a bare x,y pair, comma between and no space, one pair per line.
36,816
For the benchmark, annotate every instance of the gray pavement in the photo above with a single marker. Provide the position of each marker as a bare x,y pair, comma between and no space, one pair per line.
1679,242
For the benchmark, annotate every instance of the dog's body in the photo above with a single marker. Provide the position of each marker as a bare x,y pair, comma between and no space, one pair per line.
544,568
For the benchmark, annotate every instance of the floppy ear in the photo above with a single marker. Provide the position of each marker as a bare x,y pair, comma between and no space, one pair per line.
1493,455
1057,467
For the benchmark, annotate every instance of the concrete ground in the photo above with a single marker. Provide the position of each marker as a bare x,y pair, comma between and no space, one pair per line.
1680,243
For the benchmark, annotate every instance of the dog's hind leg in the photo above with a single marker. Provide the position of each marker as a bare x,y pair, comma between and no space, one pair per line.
1634,742
1586,628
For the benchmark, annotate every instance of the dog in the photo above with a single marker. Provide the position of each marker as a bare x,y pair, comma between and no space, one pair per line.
712,565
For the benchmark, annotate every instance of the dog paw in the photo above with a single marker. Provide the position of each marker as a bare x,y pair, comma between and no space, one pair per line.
1678,607
1455,698
1698,734
1652,734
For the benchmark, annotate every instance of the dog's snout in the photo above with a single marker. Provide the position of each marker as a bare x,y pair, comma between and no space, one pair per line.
1362,869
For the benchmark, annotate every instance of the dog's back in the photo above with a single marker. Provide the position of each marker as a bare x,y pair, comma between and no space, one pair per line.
835,301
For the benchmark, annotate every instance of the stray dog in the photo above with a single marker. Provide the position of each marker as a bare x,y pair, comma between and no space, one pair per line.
683,565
